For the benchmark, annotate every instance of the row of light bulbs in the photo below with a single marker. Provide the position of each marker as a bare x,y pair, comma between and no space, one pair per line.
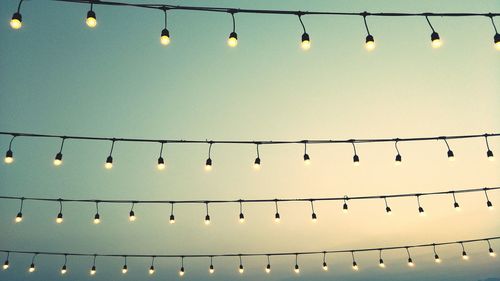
232,41
241,269
241,217
161,165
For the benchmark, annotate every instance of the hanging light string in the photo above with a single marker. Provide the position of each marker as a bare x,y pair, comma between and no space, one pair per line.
240,255
241,201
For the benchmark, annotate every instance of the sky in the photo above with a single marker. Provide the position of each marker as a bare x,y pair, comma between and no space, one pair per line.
58,76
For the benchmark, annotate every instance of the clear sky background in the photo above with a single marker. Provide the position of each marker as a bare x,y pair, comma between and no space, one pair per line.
58,76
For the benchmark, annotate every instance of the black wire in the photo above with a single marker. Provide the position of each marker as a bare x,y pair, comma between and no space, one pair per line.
276,204
11,140
493,23
344,198
366,24
258,155
60,205
486,137
408,251
305,147
22,203
396,145
312,206
161,150
62,144
165,12
418,200
234,23
19,6
429,22
112,147
65,259
210,148
454,199
434,248
446,142
97,207
486,193
33,258
300,14
354,147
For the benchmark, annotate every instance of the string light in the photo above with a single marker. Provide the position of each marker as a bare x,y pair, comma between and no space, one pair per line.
6,263
59,218
435,40
125,267
354,263
488,202
398,156
307,159
313,216
97,217
345,208
233,37
277,217
381,263
241,217
490,249
456,206
93,269
305,43
64,268
161,163
109,161
489,153
450,154
207,217
91,20
496,37
9,155
369,41
256,163
325,266
17,20
355,158
436,256
208,163
387,208
268,266
19,216
58,158
164,40
211,269
296,268
420,208
464,253
181,271
131,214
410,260
172,217
32,267
240,268
152,267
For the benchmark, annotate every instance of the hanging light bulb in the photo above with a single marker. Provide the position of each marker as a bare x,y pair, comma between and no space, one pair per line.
125,267
305,42
256,163
172,217
296,269
355,158
420,209
161,163
268,266
97,217
325,266
6,263
496,39
398,155
354,263
410,260
242,216
232,41
451,155
109,161
488,202
381,263
32,267
91,17
369,40
64,268
211,269
241,269
19,216
152,267
165,35
208,163
9,155
59,218
93,268
435,40
181,271
207,217
456,206
388,209
464,253
307,159
277,217
131,214
17,21
489,153
490,249
314,217
436,256
345,208
59,156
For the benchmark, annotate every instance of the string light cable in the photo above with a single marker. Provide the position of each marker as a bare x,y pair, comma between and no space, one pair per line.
9,155
91,20
240,202
406,248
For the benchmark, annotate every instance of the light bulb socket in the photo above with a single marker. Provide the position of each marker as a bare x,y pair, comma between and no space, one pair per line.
17,16
314,217
354,264
490,250
207,218
388,209
268,267
489,153
161,161
257,161
60,216
496,38
6,263
410,260
32,265
97,216
109,159
19,215
456,205
91,14
172,218
345,207
434,36
420,210
93,268
277,216
450,154
489,204
381,261
398,158
242,216
464,254
165,32
436,257
131,214
64,267
355,158
59,156
233,35
306,157
208,162
9,154
305,37
125,267
369,38
296,267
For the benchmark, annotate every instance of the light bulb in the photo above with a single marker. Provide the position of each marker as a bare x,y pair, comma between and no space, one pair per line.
165,38
307,159
437,259
410,263
5,265
490,155
242,218
369,43
9,157
325,266
451,156
489,204
124,269
233,40
381,263
172,219
256,164
296,269
355,266
59,218
497,41
241,269
17,21
32,268
398,160
268,268
161,164
208,164
181,272
93,270
305,44
492,253
465,256
131,216
345,208
421,211
97,219
211,269
388,210
355,160
456,206
64,270
277,217
109,162
19,217
435,40
207,220
58,159
91,19
314,217
151,270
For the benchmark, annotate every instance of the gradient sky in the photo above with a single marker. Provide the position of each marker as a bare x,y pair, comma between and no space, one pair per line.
58,76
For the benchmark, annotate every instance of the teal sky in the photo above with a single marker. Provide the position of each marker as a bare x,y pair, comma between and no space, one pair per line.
58,76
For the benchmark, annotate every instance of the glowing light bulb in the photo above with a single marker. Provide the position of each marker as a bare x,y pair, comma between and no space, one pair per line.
131,216
398,160
124,269
381,263
208,165
325,266
465,256
207,220
307,159
305,44
58,159
451,155
490,155
172,219
109,163
91,20
161,164
277,217
9,157
490,205
456,206
355,160
314,217
151,270
437,259
268,268
421,211
93,270
32,268
17,21
181,272
241,269
345,208
296,269
165,37
232,41
242,218
5,265
497,41
435,40
211,269
19,217
492,253
59,218
355,266
369,43
410,263
256,164
97,219
64,270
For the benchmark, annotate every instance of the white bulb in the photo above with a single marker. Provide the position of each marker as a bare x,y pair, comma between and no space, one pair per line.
161,167
8,160
305,45
370,45
16,24
164,40
57,162
436,43
91,22
5,266
108,166
232,42
381,265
